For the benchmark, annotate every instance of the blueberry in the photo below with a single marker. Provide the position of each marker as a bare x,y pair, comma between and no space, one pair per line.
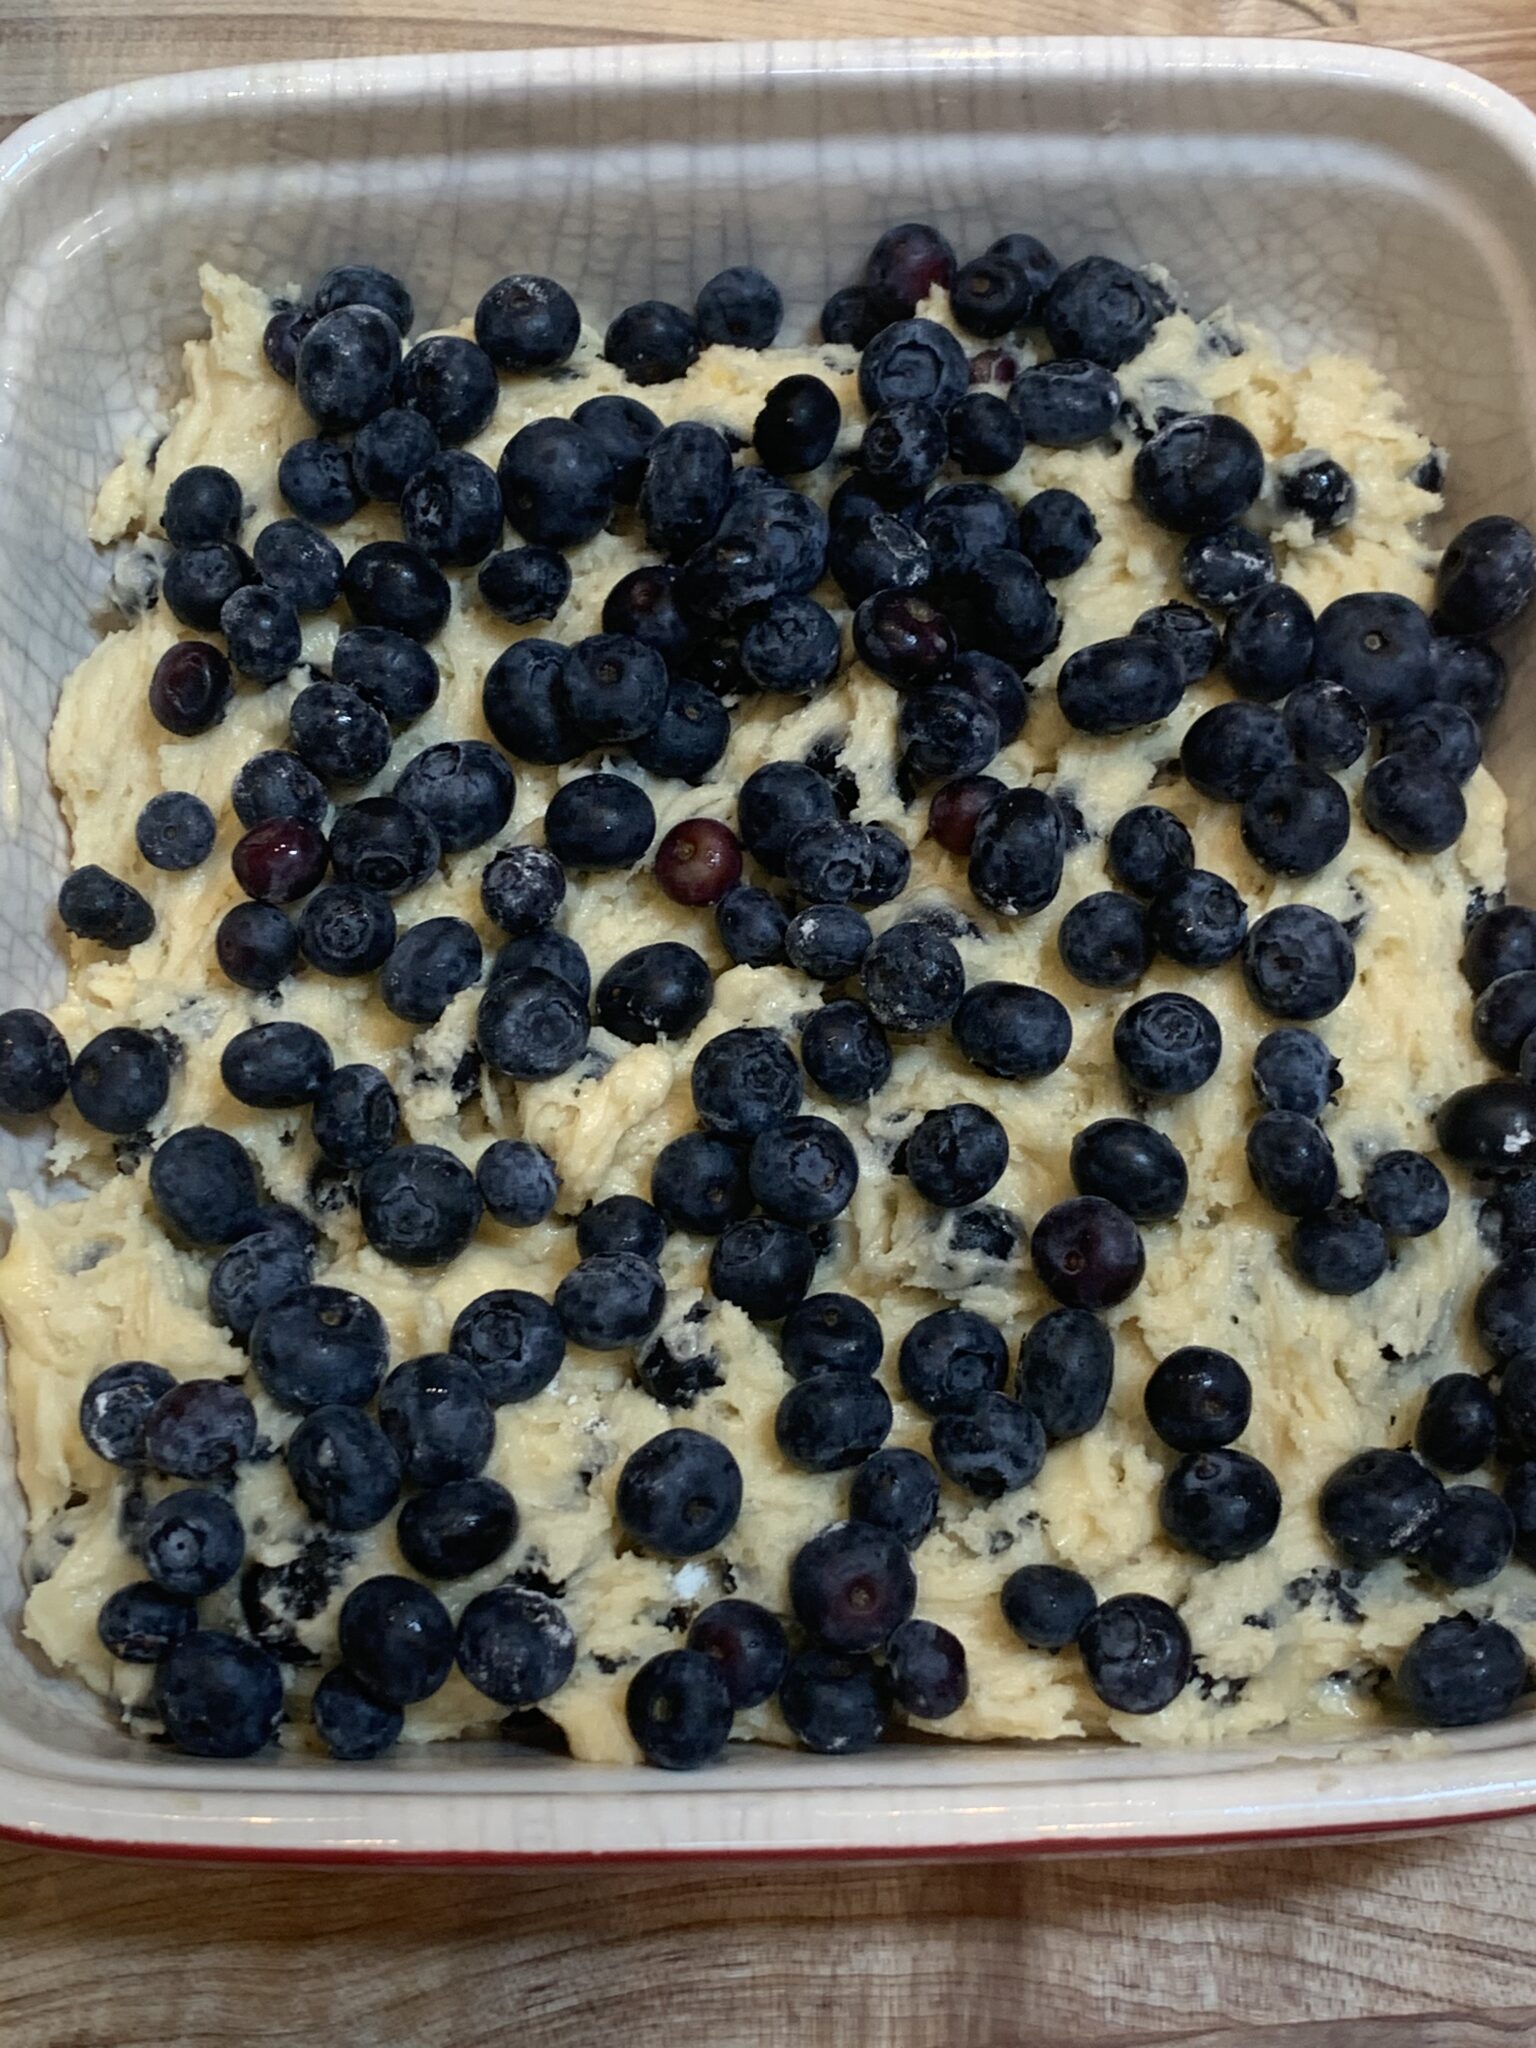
1198,473
1469,674
1230,750
261,628
1339,1251
452,383
763,1266
1503,1307
896,1491
845,1052
832,1421
690,736
946,731
115,1406
303,568
319,1345
523,698
515,1645
905,265
913,359
1192,638
517,1181
175,830
419,1205
276,1066
276,784
396,1639
851,316
34,1063
746,1081
1131,1164
1471,1539
203,1185
652,342
679,1709
1377,645
1057,532
1114,686
699,1183
803,1171
1011,1031
1198,1399
1459,1672
1443,735
1003,608
1220,569
1136,1653
1149,851
1267,649
1414,804
218,1695
353,1725
464,787
190,688
1088,1252
610,1301
1298,962
280,860
1046,1605
456,1529
202,506
512,1340
1508,1212
451,509
1221,1504
362,284
990,1445
960,522
1294,1070
1031,256
877,554
913,977
615,687
928,1674
827,941
389,450
1066,403
256,945
835,1705
599,821
198,582
621,1223
956,1155
140,1623
1326,725
797,427
96,905
1099,309
679,1494
384,844
992,295
830,1333
1487,576
1457,1426
336,734
120,1080
903,638
527,323
1066,1371
557,483
346,929
1292,1163
752,927
432,963
282,335
643,605
624,429
686,487
1319,488
956,810
852,1586
658,991
1406,1193
522,889
1167,1044
532,1025
318,482
986,436
838,862
1515,1405
191,1542
747,1646
1502,941
523,584
1104,940
1198,919
436,1415
344,1468
347,365
951,1358
903,447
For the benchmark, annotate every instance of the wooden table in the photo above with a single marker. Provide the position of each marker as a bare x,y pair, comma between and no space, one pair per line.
1422,1944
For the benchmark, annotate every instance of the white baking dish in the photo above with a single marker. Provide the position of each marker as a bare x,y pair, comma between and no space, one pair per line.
1343,196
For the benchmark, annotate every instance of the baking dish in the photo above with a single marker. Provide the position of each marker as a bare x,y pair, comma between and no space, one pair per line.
1343,197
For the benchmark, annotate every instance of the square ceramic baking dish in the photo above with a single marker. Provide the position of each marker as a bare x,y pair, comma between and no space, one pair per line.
1343,196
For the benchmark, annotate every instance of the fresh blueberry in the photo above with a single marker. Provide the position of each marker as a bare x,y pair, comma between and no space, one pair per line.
1339,1250
346,929
523,698
1104,940
1099,309
1406,1193
204,1185
317,482
527,323
202,506
1469,674
435,1413
913,359
452,383
1377,645
192,1542
832,1421
624,429
456,1529
1294,1070
679,1710
1011,1031
1487,576
946,731
1031,256
615,687
1198,473
1114,686
851,316
896,1491
344,1468
747,1646
986,437
522,889
652,342
419,1205
905,265
1186,632
277,784
763,1266
1136,1653
1520,1499
512,1340
658,991
451,509
1442,735
1198,919
1066,1371
643,605
1046,1605
686,487
353,1725
1267,649
1489,1126
1131,1164
347,365
746,1081
396,1639
363,284
1457,1426
282,335
827,941
280,860
913,977
1471,1539
199,582
218,1695
1502,941
1291,1163
319,1345
880,553
1088,1252
991,295
830,1333
839,862
1198,1399
620,1223
532,1024
1298,962
515,1645
1459,1672
464,787
956,810
1222,1505
1167,1044
384,844
1057,532
115,1407
96,905
276,1066
752,926
1229,750
903,448
1065,403
852,1586
1503,1307
956,1155
1320,489
797,427
990,1445
261,629
1220,569
1415,804
432,963
336,734
845,1051
140,1623
1296,821
557,483
927,1667
835,1705
679,1494
175,830
523,584
120,1080
190,688
256,945
1326,725
699,1183
599,821
1149,850
903,638
303,568
950,1358
389,450
610,1301
34,1063
1003,608
960,522
690,736
803,1171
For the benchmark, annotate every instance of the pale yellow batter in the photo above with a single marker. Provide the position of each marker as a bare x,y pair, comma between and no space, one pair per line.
89,1282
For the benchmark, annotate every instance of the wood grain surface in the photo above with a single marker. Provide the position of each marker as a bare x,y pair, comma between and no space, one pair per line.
1429,1943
